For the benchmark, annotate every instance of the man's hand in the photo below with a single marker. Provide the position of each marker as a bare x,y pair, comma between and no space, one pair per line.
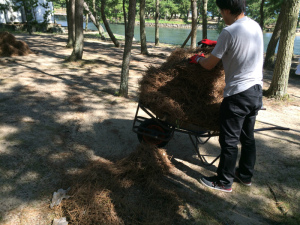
195,59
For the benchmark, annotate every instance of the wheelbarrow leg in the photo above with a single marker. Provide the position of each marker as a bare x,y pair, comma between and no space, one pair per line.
196,143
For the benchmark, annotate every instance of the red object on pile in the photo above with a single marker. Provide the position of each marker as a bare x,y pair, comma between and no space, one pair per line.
207,42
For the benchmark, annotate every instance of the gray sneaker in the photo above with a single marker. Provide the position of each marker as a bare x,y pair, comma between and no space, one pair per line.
214,183
242,181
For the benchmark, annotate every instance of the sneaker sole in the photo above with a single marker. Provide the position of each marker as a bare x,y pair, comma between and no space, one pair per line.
224,190
248,185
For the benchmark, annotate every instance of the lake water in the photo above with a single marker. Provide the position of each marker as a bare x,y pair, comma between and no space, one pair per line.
176,35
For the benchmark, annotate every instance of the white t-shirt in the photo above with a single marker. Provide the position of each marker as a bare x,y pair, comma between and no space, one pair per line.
240,46
298,68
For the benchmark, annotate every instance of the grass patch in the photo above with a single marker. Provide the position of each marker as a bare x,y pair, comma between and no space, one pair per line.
111,91
14,139
201,216
12,31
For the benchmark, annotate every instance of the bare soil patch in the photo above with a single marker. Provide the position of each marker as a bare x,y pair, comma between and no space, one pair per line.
58,120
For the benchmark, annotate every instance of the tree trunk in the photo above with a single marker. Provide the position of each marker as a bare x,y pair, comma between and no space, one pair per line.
261,10
204,19
278,87
270,54
199,9
194,24
189,36
26,11
124,13
156,23
298,23
86,21
186,40
29,16
144,50
71,23
110,33
127,49
23,13
78,45
95,22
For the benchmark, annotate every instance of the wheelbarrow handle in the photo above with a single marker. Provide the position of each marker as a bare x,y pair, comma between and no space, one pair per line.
272,128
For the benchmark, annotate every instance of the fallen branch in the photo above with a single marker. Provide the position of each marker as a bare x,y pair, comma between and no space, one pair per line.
279,204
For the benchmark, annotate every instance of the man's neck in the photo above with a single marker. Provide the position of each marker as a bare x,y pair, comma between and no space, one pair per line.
235,18
242,15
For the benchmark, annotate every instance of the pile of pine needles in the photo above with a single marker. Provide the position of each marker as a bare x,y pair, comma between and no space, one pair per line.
132,190
182,92
9,46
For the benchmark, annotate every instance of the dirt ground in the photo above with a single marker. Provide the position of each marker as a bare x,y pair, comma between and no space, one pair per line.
56,117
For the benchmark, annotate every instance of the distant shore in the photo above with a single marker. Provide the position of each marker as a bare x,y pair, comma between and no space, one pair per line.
173,25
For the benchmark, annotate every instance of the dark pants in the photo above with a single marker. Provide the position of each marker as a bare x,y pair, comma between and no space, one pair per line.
237,119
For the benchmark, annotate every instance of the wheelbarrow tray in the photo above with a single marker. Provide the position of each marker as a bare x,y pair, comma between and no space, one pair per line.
163,131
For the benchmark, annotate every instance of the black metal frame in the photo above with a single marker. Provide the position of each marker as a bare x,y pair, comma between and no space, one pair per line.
171,128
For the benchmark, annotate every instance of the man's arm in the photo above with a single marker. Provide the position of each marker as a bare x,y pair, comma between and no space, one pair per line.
209,63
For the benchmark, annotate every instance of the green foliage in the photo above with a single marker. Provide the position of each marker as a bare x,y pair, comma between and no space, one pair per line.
221,25
114,9
252,9
271,10
4,6
57,4
184,8
149,8
213,9
169,9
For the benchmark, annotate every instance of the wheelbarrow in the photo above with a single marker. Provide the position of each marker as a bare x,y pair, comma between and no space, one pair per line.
158,131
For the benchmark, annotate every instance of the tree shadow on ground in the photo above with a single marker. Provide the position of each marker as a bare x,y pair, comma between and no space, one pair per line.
48,139
42,150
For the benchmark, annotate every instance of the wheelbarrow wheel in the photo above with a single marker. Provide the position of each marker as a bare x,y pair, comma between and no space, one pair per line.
149,130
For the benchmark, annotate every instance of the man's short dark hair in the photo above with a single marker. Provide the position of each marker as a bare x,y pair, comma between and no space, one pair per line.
236,7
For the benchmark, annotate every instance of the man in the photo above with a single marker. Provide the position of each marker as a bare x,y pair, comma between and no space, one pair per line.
240,46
